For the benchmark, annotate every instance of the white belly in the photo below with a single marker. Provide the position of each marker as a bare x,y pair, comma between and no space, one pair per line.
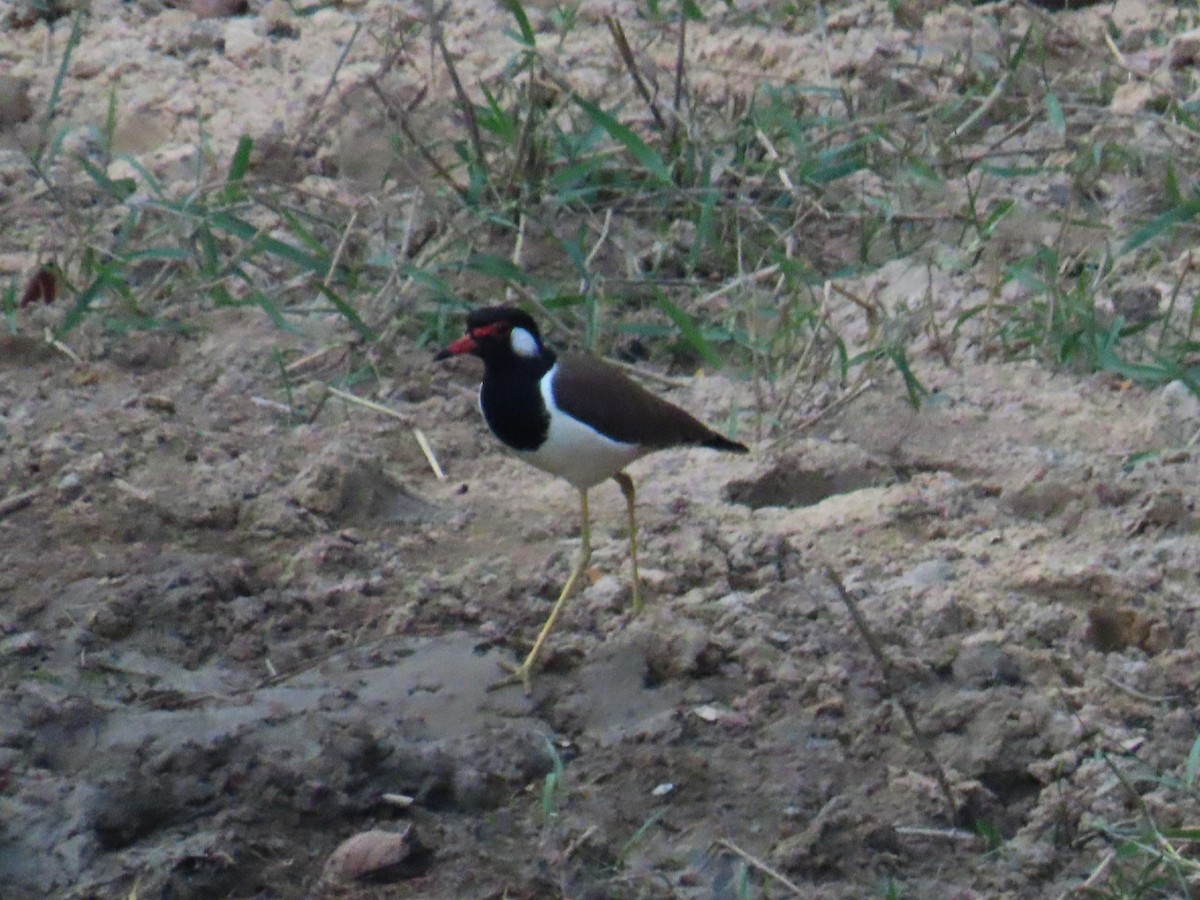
576,452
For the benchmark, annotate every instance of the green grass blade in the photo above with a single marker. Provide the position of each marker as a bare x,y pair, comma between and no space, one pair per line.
1054,113
637,148
104,279
151,180
496,267
518,13
348,312
305,235
1161,225
1015,62
705,229
1174,195
690,330
238,227
162,252
56,90
495,119
238,167
912,385
110,120
1193,764
120,189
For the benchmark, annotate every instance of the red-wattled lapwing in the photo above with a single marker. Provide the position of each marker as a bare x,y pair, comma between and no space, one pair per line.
575,417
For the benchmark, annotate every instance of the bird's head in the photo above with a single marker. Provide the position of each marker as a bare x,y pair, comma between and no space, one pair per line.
497,334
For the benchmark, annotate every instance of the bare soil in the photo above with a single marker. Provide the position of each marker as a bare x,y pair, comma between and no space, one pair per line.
228,642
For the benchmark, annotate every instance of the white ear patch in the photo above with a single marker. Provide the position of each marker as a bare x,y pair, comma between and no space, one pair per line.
523,343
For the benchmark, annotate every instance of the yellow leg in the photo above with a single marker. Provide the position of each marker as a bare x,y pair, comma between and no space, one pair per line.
524,672
627,489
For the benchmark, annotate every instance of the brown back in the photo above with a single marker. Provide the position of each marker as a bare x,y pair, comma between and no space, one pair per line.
620,408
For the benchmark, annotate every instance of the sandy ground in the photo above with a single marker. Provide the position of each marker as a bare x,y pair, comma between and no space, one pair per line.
228,643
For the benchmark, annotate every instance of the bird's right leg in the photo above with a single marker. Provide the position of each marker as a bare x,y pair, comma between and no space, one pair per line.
524,672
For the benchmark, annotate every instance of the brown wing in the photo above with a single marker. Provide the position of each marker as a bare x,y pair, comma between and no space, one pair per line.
618,407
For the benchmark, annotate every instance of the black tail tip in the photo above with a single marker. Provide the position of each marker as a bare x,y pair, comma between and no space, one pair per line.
717,442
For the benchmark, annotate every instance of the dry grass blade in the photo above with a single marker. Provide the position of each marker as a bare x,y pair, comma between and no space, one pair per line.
755,863
398,116
892,681
418,434
466,107
631,66
680,68
15,502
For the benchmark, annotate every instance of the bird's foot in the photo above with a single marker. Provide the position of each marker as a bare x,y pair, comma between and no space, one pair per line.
522,675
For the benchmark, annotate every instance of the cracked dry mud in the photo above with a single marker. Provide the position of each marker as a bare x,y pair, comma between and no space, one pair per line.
229,643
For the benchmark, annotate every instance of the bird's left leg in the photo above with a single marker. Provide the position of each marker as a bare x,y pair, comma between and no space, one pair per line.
630,493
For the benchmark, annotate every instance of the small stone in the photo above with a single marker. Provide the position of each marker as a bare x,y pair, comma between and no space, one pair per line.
15,105
608,593
242,44
986,665
159,403
20,644
1185,49
69,487
1039,497
219,9
1135,96
279,20
928,574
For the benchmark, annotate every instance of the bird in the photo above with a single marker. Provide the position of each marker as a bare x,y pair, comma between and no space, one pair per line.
574,416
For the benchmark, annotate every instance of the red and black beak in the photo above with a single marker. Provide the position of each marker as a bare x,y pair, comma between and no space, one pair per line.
462,345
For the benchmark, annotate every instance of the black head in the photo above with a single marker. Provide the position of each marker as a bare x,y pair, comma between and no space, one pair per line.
499,335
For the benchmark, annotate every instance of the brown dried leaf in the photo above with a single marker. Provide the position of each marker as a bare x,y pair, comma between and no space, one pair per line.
42,287
369,854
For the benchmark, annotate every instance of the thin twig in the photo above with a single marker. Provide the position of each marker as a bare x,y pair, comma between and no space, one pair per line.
1140,74
409,221
1092,880
773,154
464,101
626,52
941,834
427,449
320,103
680,60
401,121
518,245
418,434
298,365
591,257
891,678
747,278
578,842
756,863
267,403
992,98
14,502
1140,695
341,248
367,404
61,347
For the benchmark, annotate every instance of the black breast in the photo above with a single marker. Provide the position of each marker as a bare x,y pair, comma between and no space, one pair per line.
513,407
